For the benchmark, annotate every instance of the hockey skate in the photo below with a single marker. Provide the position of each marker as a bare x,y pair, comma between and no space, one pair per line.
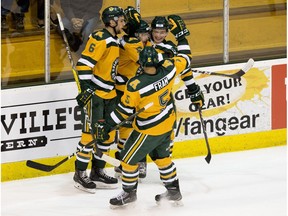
102,180
142,169
123,199
82,182
172,195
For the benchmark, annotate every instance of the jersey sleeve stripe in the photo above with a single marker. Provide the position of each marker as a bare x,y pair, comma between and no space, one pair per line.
164,114
86,62
102,85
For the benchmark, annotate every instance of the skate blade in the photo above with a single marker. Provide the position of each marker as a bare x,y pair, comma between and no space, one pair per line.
101,185
88,190
127,205
173,203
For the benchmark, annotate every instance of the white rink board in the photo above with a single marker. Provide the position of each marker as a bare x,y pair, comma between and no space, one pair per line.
44,121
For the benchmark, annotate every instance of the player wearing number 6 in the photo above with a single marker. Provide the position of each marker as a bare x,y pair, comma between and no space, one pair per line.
97,69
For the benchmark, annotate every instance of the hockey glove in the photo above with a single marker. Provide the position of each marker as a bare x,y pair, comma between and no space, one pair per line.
87,90
102,130
177,27
133,20
196,95
132,14
84,97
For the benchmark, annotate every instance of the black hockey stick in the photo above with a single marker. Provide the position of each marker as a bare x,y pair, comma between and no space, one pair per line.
208,157
238,74
115,162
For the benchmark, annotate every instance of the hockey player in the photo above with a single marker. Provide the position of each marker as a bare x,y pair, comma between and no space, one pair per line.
152,128
97,71
166,49
137,36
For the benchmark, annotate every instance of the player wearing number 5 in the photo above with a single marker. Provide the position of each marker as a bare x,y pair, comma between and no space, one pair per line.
152,128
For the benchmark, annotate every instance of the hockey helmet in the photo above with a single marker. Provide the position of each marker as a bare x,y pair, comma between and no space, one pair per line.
148,57
160,22
143,27
111,13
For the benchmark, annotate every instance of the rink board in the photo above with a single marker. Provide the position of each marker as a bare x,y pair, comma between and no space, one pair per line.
43,122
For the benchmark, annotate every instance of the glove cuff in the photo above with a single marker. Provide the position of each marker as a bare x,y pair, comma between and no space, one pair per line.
180,35
193,88
194,94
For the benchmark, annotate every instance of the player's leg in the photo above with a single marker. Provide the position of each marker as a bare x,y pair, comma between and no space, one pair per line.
82,181
123,134
167,170
137,146
98,175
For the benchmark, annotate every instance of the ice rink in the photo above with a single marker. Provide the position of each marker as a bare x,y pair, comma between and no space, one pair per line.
248,183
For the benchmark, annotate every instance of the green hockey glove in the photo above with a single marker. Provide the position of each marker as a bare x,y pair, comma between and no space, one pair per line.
84,97
133,20
102,130
196,95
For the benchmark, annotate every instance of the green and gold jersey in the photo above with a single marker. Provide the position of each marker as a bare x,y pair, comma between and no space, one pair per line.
99,62
128,60
144,89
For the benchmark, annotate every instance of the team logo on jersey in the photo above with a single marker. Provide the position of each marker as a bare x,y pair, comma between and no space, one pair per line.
167,63
134,83
100,34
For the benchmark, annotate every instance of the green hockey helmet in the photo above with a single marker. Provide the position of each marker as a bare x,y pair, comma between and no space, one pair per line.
160,22
148,57
143,27
111,13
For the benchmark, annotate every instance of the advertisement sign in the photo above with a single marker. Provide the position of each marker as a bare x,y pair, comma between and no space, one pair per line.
37,122
44,121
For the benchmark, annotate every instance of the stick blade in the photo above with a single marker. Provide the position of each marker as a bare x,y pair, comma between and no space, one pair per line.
248,65
44,167
39,166
208,158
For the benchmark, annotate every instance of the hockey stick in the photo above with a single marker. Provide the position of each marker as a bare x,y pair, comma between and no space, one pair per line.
99,153
208,157
236,75
49,168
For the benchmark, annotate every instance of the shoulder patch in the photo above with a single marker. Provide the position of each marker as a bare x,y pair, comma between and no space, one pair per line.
133,84
167,63
99,34
133,40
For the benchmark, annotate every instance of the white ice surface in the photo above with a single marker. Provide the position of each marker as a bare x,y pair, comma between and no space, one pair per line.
248,183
